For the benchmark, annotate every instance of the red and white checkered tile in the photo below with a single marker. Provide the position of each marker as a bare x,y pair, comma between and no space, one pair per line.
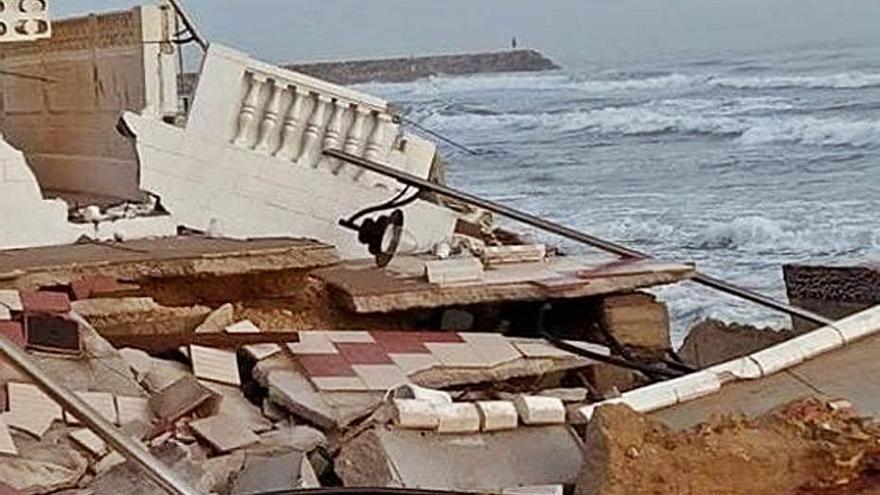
378,361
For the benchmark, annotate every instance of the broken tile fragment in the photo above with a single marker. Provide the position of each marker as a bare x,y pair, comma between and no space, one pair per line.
32,421
224,433
133,410
88,440
53,333
380,377
11,300
348,336
219,365
321,365
45,302
13,331
363,353
411,364
454,271
26,398
457,355
313,343
7,445
103,403
257,351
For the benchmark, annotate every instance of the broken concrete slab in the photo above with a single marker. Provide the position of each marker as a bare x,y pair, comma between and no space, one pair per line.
7,445
90,441
179,399
224,433
233,403
44,466
534,410
269,473
35,421
388,457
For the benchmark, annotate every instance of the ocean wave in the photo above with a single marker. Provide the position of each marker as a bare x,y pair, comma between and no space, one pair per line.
813,132
751,122
845,80
758,234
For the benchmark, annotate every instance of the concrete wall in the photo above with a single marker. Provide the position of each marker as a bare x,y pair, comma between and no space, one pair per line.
90,71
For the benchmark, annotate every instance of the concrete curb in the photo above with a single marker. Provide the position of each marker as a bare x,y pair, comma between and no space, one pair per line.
753,367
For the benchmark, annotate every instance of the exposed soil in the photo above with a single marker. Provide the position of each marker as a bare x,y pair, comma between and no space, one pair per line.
805,447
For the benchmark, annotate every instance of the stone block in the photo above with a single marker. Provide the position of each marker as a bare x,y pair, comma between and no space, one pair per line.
535,410
454,271
380,377
224,433
637,320
51,333
416,414
497,415
461,417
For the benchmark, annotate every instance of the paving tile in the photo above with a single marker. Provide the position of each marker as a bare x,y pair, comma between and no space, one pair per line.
45,302
256,351
224,433
103,403
180,398
539,350
411,364
348,336
320,365
483,338
219,365
497,353
7,446
364,353
5,314
312,343
457,355
401,342
35,422
11,300
27,398
133,409
88,440
245,326
380,377
440,337
339,383
13,331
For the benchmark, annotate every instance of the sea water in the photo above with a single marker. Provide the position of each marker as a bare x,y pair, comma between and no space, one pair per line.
740,163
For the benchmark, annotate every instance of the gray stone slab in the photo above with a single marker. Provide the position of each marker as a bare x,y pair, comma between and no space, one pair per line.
474,462
269,473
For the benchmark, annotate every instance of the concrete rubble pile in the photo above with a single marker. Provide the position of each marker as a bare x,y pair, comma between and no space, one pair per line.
194,271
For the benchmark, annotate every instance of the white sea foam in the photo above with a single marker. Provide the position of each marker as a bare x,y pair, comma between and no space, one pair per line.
844,80
814,132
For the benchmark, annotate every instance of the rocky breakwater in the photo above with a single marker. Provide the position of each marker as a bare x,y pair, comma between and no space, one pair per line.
413,68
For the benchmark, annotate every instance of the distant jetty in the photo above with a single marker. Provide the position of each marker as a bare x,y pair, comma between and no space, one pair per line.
413,68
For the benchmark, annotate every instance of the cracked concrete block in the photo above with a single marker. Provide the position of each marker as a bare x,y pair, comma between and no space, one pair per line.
461,417
497,415
534,410
415,414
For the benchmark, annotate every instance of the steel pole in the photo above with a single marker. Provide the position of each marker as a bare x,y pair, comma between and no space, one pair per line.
570,233
166,478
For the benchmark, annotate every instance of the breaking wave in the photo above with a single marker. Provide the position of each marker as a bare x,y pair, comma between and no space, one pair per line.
845,80
760,234
692,118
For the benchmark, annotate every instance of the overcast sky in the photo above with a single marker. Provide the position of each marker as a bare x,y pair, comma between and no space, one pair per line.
573,31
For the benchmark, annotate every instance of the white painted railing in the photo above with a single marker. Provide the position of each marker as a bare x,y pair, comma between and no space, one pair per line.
291,116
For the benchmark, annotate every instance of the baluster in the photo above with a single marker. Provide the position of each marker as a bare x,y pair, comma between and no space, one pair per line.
376,144
333,133
292,124
309,151
248,110
354,139
270,120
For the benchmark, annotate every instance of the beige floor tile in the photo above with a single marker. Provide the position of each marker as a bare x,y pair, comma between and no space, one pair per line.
27,398
339,383
7,445
219,365
457,355
414,363
380,377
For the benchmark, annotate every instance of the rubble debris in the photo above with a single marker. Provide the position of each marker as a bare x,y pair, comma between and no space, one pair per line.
801,446
269,473
179,399
233,403
713,342
535,410
133,410
224,433
43,466
391,457
534,490
498,255
219,365
637,320
28,400
102,402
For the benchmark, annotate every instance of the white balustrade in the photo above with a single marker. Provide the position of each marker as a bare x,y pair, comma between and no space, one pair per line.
294,117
